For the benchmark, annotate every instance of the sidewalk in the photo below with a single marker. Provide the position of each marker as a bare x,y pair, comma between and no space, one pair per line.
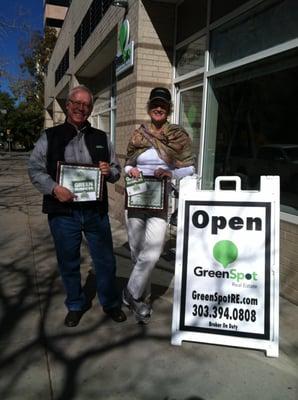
42,359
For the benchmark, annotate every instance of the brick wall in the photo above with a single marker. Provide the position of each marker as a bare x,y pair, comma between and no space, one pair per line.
151,28
289,261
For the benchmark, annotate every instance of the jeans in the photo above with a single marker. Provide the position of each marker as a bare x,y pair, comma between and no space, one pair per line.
67,234
146,236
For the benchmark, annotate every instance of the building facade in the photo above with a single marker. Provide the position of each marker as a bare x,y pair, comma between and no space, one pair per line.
54,13
232,68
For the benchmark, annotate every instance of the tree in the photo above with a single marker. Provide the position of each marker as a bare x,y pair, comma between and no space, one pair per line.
28,118
27,123
21,122
6,109
7,105
23,113
6,101
36,55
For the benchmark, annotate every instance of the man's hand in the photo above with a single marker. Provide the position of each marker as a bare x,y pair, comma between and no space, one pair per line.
63,194
161,173
105,168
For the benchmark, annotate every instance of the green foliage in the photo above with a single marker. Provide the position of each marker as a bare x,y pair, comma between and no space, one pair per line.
25,109
23,121
7,102
35,55
26,124
7,107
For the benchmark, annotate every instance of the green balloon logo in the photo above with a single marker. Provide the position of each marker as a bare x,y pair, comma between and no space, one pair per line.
124,35
225,252
192,114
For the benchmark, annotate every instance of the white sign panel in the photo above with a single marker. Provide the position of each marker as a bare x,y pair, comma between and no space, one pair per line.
125,60
226,279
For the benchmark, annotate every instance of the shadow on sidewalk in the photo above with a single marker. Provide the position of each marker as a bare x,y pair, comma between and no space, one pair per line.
32,308
90,287
42,359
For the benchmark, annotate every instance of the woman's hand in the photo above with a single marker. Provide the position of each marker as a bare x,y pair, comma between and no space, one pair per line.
134,173
161,173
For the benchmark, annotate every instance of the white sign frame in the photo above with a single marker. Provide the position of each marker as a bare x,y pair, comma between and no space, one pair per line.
267,203
122,66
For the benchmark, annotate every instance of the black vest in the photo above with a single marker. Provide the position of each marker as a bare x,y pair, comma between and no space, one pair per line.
58,137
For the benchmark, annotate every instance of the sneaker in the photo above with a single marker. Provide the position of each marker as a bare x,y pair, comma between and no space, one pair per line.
142,320
139,308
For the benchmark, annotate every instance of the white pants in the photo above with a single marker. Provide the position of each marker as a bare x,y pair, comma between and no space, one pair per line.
146,236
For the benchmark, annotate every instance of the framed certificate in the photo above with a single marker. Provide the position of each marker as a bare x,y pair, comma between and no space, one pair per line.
83,180
135,186
154,198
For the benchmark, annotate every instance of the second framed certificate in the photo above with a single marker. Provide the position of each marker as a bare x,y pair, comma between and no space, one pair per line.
154,198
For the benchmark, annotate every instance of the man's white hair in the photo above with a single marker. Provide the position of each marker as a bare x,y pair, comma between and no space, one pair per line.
80,88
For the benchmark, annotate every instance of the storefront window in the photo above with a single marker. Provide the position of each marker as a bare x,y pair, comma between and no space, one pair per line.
190,114
268,26
252,126
190,57
103,115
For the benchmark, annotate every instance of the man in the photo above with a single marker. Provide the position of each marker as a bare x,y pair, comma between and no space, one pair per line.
77,142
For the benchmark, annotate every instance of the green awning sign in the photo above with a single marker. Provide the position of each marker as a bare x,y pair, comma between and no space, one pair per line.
125,57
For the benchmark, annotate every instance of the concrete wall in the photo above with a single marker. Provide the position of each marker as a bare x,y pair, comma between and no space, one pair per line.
56,12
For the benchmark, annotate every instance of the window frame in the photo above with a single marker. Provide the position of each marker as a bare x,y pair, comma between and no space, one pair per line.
112,113
229,67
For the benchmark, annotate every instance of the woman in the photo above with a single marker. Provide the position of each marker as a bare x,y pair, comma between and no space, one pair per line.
158,149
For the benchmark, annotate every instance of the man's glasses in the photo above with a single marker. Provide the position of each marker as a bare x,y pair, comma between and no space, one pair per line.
79,104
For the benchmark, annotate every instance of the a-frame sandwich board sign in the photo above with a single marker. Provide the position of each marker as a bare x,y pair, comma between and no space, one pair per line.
227,265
